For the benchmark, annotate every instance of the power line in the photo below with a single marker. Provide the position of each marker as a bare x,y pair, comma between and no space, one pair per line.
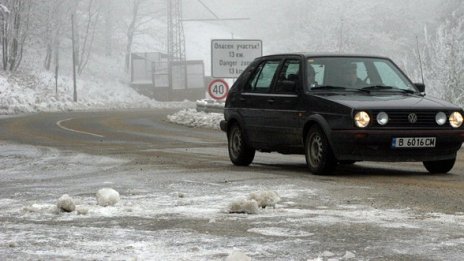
207,8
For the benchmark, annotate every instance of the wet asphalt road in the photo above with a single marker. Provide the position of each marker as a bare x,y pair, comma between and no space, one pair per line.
370,197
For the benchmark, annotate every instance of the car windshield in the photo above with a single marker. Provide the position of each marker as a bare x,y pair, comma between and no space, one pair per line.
356,73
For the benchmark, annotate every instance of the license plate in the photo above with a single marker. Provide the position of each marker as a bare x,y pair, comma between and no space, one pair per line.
414,142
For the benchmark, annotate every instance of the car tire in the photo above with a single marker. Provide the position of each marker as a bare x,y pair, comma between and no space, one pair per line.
319,155
439,166
240,153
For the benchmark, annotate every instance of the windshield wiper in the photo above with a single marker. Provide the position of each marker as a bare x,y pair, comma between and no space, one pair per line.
330,87
407,91
378,87
385,87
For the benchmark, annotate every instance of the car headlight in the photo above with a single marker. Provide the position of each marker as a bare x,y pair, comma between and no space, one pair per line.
362,119
440,118
382,118
455,119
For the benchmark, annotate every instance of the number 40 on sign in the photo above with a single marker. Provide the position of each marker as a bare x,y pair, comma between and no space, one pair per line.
218,89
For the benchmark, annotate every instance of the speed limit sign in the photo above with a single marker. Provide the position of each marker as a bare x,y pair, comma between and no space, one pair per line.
218,89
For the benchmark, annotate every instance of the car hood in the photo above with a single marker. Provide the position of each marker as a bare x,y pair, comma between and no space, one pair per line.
389,101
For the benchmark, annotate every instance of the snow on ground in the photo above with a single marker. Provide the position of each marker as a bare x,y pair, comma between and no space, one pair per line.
36,92
185,219
193,118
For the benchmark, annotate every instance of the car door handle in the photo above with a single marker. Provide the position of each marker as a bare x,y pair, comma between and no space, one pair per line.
271,100
242,99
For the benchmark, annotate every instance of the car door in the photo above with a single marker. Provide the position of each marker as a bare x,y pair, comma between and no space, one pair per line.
255,97
284,116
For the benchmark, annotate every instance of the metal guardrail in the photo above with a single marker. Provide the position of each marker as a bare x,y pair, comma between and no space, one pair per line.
210,106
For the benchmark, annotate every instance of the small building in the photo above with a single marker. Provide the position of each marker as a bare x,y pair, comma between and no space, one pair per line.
150,76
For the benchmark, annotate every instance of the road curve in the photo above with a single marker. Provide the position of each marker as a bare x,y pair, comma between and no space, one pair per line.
149,136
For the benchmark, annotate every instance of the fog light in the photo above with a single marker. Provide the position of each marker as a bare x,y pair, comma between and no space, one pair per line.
382,118
455,119
362,119
440,118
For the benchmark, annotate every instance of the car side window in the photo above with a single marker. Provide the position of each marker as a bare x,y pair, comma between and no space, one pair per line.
262,79
291,69
290,73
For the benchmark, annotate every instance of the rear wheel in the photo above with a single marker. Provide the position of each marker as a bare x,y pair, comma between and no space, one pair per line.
439,166
319,156
240,153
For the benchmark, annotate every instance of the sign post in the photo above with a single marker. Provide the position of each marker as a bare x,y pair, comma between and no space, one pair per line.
230,57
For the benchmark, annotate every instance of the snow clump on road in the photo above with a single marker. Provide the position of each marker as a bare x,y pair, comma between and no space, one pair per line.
193,118
41,209
82,210
238,256
66,203
265,198
107,197
243,206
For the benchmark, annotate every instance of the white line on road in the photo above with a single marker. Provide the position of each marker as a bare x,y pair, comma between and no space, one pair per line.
77,131
202,183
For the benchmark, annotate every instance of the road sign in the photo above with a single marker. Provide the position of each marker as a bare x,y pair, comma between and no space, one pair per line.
218,89
230,57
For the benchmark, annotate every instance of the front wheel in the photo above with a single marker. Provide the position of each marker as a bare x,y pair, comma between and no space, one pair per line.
439,166
319,156
240,153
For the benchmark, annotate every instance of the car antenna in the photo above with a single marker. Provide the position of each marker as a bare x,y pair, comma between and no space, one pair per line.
420,60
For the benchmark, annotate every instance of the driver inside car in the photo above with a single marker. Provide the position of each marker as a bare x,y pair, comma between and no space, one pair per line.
311,77
350,77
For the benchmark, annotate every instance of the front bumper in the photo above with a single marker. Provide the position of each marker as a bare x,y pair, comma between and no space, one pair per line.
375,145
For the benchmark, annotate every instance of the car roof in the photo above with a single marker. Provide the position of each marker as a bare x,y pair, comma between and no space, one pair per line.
310,55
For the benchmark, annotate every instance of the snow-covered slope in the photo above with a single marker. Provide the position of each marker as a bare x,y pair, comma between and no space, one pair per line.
33,92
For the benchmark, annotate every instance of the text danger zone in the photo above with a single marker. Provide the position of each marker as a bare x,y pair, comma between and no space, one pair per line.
229,58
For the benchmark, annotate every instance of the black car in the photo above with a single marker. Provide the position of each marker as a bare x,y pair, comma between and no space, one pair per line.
338,109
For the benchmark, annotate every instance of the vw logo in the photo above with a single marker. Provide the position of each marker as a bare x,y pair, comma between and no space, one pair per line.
412,118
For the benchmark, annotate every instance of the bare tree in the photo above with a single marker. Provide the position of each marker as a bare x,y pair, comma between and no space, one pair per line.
109,27
87,37
443,52
135,8
5,12
54,20
141,15
16,29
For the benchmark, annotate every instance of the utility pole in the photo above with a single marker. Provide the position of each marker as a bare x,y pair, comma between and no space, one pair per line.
176,40
176,37
74,58
57,63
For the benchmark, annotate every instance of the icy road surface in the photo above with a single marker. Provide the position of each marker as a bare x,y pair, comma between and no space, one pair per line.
176,183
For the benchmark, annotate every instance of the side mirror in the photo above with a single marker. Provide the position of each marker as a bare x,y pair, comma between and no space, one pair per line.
420,87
